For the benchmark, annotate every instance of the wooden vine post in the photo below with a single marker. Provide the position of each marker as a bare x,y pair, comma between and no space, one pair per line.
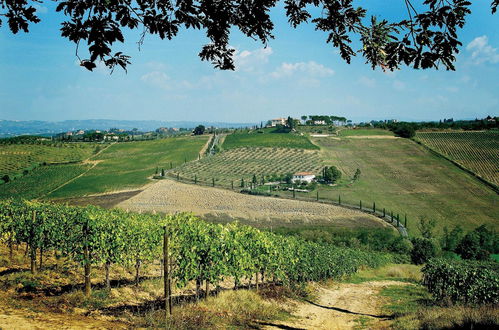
166,278
86,260
32,247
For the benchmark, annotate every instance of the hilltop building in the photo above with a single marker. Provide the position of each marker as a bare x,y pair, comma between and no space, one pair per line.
303,176
277,122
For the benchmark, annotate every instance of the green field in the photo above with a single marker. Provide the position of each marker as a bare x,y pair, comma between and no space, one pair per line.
476,151
240,163
41,181
364,132
403,176
268,138
15,158
128,165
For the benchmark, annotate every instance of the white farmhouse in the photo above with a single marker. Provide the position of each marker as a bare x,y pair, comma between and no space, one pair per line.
303,176
277,122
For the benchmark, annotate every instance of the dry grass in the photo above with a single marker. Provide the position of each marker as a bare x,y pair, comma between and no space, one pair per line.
455,317
394,272
240,309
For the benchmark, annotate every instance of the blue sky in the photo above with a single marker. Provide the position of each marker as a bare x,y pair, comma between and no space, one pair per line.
298,73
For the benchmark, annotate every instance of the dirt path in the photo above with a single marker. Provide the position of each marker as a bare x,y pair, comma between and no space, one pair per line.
341,307
25,319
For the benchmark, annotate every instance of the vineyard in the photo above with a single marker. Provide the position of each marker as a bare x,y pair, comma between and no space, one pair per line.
129,165
243,163
468,282
267,138
193,250
15,158
476,151
41,181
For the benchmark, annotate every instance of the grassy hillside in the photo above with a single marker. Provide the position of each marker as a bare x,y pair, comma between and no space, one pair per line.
405,177
15,158
240,163
128,165
267,138
476,151
364,132
41,181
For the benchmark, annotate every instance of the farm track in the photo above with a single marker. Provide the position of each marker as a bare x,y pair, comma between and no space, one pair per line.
222,205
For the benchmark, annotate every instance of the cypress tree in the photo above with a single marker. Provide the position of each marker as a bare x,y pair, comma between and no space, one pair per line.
339,199
360,204
384,212
162,172
242,182
374,207
195,179
213,182
317,194
405,220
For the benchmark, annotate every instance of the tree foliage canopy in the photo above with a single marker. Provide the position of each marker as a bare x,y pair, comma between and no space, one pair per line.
425,37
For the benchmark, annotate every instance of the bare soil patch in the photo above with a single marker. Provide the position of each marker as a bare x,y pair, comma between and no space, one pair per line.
170,196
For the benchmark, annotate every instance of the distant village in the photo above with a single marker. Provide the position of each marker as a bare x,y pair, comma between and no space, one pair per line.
118,135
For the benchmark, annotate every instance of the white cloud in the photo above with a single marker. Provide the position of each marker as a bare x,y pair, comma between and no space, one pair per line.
368,82
158,79
311,69
251,60
452,89
482,52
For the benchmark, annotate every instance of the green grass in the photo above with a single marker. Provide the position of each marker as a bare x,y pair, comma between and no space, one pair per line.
404,299
392,272
234,164
412,307
476,151
17,157
128,165
364,132
268,138
402,176
41,181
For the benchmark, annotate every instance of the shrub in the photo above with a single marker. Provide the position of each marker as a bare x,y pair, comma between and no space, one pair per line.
469,282
404,131
423,250
478,244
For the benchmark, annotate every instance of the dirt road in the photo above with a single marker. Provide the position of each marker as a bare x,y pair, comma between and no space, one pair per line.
342,307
